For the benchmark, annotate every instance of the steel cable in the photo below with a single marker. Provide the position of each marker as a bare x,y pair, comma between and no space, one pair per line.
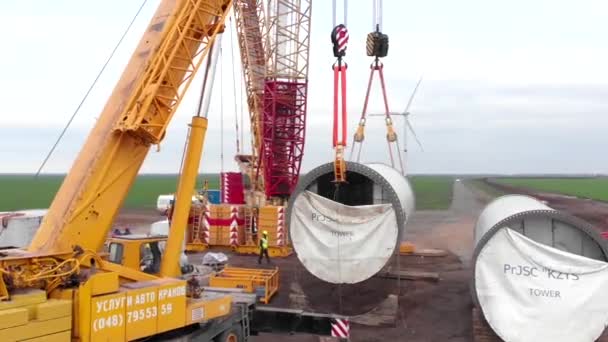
86,95
336,198
221,109
236,115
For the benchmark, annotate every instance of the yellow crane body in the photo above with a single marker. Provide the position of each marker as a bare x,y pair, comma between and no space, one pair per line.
135,116
134,250
111,301
105,307
60,288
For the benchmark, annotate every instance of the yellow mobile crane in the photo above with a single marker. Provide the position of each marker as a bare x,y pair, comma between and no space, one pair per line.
59,288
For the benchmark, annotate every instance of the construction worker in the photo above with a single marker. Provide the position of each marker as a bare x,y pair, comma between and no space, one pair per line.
264,248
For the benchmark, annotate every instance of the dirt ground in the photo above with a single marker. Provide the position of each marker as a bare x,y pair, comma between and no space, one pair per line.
427,311
137,220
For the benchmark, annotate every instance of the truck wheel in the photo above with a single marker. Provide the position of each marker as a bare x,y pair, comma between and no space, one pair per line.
234,334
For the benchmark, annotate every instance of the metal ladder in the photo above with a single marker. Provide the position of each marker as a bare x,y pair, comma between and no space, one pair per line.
248,224
196,226
245,324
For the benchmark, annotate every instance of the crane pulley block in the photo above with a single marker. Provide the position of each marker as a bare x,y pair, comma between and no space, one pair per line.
377,44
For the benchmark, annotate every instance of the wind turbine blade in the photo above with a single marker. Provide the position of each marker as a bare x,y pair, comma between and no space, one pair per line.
409,102
414,134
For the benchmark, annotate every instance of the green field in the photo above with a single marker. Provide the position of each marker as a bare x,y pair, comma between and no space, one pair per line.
26,192
593,188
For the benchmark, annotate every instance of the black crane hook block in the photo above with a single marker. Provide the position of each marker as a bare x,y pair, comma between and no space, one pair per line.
377,44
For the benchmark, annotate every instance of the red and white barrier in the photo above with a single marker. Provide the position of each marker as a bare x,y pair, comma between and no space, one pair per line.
233,189
234,226
280,227
340,328
205,232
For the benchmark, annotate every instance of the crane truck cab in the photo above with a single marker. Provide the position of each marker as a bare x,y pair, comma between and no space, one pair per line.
136,251
140,252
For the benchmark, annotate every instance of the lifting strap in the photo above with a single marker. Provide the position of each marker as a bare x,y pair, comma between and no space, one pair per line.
339,37
377,46
391,136
339,40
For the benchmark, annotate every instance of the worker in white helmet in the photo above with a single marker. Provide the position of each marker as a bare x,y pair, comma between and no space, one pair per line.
264,248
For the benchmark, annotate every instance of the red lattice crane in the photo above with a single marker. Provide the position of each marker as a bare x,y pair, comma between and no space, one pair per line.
249,15
274,37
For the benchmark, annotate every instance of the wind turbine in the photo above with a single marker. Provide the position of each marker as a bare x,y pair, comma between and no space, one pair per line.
406,124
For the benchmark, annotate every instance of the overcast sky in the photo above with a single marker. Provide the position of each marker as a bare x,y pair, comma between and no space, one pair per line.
509,87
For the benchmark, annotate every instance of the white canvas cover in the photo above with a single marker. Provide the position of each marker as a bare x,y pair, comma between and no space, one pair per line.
214,258
17,229
532,292
163,202
339,243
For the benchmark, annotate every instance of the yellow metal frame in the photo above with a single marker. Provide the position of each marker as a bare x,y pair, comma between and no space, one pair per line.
406,247
248,279
273,251
196,247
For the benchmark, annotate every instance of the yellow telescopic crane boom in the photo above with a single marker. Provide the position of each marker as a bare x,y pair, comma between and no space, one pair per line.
69,291
135,117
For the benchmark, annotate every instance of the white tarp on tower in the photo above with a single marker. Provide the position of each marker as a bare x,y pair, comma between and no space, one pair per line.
17,229
532,292
339,243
